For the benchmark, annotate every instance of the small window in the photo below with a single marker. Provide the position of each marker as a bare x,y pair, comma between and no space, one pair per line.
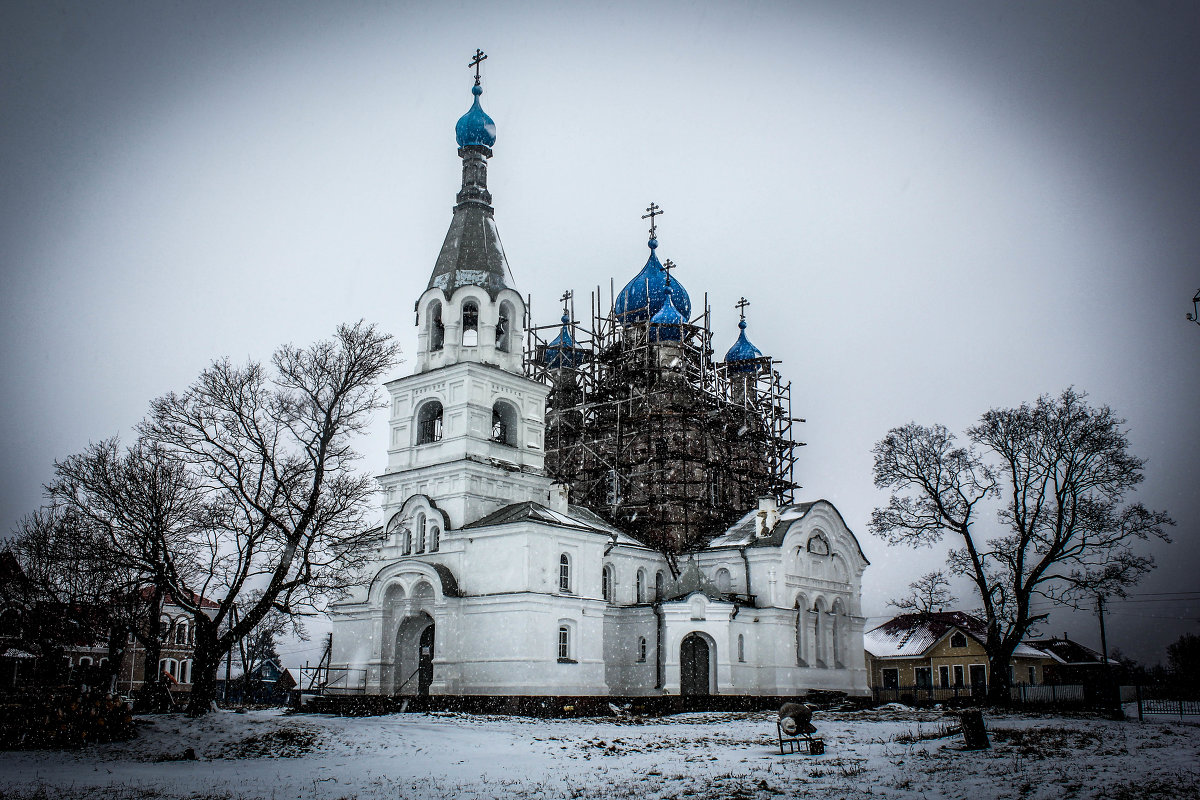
420,533
564,573
606,583
181,633
1032,676
723,580
891,679
741,648
641,657
958,640
85,661
429,423
408,542
640,588
564,644
658,585
470,324
437,329
435,538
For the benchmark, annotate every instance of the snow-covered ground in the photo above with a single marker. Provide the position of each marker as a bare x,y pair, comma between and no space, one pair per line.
877,754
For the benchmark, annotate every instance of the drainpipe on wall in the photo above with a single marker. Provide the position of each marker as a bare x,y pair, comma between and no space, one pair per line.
746,561
661,627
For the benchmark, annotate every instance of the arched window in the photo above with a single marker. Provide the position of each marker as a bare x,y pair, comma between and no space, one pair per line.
801,624
181,633
837,631
169,667
437,329
429,423
420,532
564,573
504,424
185,671
723,581
606,583
470,323
641,656
741,648
408,542
658,585
504,328
640,587
566,645
818,635
85,661
435,538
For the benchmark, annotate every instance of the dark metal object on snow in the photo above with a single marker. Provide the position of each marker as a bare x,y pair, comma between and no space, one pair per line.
795,730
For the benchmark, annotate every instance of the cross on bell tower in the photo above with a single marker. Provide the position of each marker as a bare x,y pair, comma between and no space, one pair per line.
653,211
479,58
668,265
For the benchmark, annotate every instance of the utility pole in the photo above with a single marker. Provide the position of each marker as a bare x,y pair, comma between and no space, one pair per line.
1112,694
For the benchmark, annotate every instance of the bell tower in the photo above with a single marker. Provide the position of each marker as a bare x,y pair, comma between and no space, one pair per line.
468,428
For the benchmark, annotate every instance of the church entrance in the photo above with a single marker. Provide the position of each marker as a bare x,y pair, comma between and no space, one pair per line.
694,677
413,671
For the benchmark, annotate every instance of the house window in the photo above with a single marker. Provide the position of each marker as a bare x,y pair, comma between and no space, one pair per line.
169,668
944,676
641,657
437,329
564,573
640,587
606,583
181,633
564,643
891,679
959,678
85,661
741,647
958,640
470,323
1032,676
924,677
185,671
429,423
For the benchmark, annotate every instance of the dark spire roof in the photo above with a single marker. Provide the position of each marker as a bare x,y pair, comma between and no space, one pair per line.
472,254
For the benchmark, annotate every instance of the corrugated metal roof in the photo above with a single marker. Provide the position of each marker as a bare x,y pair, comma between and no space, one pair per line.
576,517
912,635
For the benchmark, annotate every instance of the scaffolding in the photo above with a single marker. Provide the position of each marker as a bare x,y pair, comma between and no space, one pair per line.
652,434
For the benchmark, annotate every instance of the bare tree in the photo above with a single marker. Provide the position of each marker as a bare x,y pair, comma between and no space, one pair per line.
144,512
271,449
927,594
1061,469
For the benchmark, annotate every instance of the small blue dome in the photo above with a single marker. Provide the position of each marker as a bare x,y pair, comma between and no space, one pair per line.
475,127
643,297
666,325
562,352
743,356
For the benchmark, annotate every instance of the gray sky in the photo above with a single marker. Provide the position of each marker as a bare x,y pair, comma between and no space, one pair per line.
934,208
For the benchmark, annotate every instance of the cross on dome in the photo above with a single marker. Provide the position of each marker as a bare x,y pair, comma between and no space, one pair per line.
653,211
479,58
740,305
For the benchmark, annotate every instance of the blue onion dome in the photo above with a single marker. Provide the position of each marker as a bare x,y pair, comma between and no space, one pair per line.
561,352
475,127
667,324
743,356
643,296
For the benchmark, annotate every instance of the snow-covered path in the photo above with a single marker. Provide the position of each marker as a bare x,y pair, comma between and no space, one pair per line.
879,754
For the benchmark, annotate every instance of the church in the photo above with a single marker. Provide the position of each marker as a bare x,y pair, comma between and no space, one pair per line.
605,514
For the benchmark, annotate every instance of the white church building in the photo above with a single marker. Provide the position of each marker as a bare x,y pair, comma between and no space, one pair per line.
490,582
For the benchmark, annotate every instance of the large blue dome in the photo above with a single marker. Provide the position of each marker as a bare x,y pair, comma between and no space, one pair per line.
475,127
743,356
643,296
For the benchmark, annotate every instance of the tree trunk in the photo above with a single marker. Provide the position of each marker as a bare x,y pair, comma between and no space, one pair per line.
205,661
999,683
117,637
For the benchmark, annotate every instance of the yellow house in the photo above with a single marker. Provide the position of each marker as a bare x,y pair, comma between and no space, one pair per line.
938,656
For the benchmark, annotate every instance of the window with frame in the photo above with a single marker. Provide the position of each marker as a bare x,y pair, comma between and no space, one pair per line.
606,583
891,678
641,656
741,648
181,633
959,675
435,538
420,533
924,677
1032,676
564,573
429,423
944,676
640,586
564,644
957,639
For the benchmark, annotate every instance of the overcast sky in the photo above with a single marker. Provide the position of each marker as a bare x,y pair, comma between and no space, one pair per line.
934,209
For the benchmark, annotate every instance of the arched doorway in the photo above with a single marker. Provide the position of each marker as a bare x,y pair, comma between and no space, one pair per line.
694,665
414,656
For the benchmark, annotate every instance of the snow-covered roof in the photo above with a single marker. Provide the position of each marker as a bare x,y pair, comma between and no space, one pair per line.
912,635
576,517
1065,651
741,533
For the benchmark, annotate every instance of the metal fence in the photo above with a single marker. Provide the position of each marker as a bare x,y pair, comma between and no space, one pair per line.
1021,694
332,680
